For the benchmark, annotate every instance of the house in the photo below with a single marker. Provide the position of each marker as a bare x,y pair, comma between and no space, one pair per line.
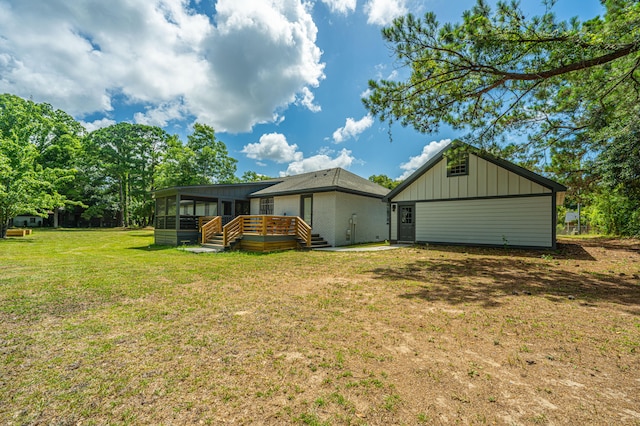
31,221
341,207
466,196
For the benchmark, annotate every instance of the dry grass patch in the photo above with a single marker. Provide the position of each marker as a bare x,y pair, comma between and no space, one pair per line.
100,327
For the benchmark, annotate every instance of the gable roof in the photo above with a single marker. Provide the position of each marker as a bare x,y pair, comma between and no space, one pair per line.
528,174
335,179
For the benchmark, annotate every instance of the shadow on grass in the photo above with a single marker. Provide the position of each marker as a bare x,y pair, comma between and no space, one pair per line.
13,240
565,251
153,247
489,280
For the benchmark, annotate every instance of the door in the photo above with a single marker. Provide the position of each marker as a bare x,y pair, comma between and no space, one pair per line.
306,209
406,224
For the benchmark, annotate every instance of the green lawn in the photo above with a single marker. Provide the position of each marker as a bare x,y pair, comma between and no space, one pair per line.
102,327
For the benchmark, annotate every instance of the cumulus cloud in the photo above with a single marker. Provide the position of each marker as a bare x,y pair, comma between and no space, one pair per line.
306,100
428,152
274,147
163,57
97,124
383,12
352,128
323,160
343,7
162,114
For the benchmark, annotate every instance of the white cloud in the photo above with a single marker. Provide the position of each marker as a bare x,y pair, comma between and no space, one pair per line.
352,128
323,160
97,124
273,146
383,12
162,114
341,6
306,100
246,68
428,152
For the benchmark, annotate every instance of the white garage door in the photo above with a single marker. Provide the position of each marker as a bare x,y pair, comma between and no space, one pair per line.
520,221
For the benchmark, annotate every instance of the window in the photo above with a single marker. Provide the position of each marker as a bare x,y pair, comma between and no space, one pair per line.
186,207
458,164
266,205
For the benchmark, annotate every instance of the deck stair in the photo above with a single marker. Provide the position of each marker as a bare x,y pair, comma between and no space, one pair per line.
216,241
318,242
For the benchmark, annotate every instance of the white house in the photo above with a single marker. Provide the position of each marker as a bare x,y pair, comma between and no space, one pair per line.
464,195
340,206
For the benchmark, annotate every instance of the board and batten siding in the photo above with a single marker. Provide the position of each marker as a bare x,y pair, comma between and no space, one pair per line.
515,221
486,179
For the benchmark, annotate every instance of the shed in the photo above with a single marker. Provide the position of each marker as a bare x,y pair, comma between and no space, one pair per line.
466,196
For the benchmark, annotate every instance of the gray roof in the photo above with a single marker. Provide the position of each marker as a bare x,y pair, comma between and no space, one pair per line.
541,180
336,179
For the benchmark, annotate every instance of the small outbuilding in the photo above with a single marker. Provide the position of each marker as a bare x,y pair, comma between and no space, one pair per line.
466,196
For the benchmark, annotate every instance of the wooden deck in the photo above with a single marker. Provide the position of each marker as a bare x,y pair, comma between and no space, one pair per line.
262,233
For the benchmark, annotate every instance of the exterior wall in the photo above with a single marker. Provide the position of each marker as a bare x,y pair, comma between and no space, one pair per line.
393,231
255,206
516,221
324,216
371,224
171,237
27,221
485,179
288,205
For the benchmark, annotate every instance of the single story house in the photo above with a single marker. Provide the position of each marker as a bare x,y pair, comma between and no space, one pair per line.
341,207
464,195
28,221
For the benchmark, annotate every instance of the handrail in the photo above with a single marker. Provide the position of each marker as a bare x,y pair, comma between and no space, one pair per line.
209,229
303,231
232,231
266,225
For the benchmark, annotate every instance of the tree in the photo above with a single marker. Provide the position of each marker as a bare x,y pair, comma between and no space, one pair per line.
38,154
122,159
25,186
251,176
384,180
500,72
566,89
202,160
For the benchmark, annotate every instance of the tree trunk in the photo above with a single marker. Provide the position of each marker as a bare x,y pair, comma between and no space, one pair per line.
122,202
3,228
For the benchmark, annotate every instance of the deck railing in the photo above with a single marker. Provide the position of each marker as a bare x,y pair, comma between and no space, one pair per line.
257,225
209,226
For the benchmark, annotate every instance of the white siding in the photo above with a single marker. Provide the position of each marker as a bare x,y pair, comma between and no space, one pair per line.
324,216
255,206
484,179
371,224
288,205
520,221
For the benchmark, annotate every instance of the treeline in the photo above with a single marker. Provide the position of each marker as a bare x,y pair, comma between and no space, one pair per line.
50,163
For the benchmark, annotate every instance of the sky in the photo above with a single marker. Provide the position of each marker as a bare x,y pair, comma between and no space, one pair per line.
281,81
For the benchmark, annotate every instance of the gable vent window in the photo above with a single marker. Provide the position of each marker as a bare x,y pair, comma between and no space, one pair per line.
458,165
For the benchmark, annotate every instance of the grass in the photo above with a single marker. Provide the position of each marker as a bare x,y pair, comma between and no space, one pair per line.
103,327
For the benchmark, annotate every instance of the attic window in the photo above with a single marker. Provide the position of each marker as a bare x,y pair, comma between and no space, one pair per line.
458,164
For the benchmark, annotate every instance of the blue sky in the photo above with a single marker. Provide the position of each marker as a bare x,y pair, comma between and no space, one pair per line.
281,81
